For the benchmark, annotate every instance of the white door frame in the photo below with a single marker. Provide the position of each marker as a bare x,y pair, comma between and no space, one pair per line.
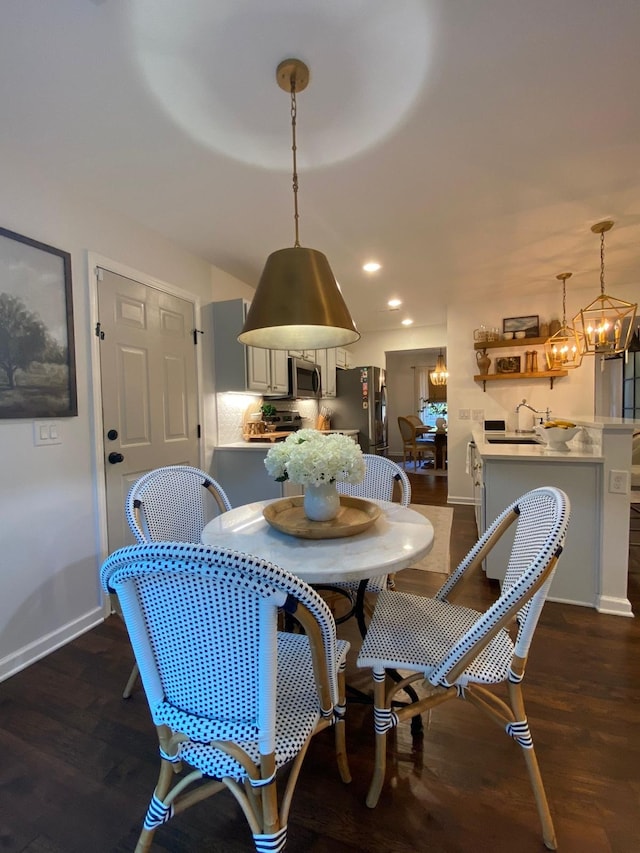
95,260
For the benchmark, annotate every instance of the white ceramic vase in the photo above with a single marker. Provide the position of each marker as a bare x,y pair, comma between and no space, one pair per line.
321,502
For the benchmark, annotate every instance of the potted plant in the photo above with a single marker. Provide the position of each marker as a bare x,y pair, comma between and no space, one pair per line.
268,411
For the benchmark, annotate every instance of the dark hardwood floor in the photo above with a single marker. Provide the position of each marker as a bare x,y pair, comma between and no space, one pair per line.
79,763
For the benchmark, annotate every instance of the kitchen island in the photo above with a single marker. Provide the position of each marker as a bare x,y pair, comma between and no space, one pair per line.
593,568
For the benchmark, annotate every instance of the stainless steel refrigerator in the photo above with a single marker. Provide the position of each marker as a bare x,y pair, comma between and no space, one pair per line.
361,403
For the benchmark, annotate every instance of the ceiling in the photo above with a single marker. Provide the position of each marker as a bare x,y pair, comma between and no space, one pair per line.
467,145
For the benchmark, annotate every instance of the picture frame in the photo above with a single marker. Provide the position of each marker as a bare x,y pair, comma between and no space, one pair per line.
37,347
508,364
530,325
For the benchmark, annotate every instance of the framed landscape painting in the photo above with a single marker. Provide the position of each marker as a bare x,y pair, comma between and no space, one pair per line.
530,325
37,353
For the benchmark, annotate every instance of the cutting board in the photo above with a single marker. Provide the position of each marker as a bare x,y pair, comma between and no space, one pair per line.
267,436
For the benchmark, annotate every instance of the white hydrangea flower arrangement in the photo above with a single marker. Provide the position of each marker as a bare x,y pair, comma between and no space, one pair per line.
309,457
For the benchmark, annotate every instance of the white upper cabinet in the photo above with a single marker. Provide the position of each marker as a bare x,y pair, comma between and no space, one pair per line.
342,358
242,368
326,359
307,354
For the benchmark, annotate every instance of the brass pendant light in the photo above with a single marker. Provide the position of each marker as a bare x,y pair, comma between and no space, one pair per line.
607,322
298,303
565,348
440,375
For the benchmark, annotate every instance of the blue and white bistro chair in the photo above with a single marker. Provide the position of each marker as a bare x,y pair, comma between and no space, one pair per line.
454,652
172,504
233,699
380,478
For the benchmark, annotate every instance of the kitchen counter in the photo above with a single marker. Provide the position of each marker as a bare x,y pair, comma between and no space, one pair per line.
577,451
594,565
256,444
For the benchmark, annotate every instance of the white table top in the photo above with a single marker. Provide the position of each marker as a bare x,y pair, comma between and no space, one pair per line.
399,538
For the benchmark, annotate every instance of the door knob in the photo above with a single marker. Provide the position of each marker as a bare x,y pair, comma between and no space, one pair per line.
114,458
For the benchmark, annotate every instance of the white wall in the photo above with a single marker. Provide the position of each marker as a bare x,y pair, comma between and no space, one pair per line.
373,346
48,541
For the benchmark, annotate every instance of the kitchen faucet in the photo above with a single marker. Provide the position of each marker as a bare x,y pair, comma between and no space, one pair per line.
524,404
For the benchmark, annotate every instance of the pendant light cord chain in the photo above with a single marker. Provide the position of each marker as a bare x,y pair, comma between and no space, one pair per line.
294,148
564,305
602,263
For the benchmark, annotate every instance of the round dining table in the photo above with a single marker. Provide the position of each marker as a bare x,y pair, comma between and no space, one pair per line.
396,540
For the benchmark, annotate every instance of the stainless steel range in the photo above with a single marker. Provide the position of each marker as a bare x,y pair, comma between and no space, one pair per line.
285,420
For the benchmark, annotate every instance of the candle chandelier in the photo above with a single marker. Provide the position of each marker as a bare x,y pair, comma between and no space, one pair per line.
607,322
439,375
565,348
298,303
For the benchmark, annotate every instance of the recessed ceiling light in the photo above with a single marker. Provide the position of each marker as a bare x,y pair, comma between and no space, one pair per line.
394,303
371,266
407,322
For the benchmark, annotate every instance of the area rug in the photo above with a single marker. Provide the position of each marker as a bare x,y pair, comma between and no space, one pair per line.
437,560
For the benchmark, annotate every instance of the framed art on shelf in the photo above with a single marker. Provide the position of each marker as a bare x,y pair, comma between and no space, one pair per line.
530,325
37,353
509,364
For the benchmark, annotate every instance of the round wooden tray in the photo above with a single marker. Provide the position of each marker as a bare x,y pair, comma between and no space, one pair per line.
354,516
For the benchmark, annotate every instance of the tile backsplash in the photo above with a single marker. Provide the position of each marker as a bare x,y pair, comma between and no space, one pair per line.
232,407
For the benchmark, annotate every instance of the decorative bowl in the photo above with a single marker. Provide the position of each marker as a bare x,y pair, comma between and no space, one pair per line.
556,438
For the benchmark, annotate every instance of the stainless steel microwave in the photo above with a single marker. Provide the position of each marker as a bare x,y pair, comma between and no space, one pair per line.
304,379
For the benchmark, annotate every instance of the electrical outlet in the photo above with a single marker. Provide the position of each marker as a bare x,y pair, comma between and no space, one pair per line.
463,414
477,415
619,482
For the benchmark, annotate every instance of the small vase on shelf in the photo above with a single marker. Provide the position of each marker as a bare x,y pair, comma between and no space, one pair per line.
484,362
321,502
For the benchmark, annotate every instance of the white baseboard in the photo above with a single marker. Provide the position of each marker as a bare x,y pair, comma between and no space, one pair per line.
27,655
614,606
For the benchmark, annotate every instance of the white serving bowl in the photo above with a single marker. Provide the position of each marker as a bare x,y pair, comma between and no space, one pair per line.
556,438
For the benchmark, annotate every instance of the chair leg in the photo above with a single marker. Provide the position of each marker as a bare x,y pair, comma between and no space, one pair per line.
548,831
384,719
162,789
340,731
128,690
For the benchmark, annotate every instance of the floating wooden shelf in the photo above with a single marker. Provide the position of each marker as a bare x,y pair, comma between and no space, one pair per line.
514,342
540,374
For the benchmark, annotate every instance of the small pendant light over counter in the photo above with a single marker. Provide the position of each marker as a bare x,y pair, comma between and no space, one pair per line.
565,348
607,322
298,303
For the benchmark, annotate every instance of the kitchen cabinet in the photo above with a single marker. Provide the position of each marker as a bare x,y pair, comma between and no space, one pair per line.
593,569
551,375
326,359
343,360
242,368
306,354
576,580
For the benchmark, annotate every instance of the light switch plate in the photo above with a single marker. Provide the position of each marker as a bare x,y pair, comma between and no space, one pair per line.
46,433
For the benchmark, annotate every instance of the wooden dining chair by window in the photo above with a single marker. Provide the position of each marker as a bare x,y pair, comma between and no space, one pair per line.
233,699
414,448
456,652
172,504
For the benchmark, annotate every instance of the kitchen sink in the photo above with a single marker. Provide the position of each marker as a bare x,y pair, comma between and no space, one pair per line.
513,441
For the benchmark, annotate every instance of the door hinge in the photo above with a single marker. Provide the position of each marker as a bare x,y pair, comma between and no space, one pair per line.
199,431
196,332
99,332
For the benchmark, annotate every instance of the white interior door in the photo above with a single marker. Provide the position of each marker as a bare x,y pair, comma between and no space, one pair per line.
149,388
